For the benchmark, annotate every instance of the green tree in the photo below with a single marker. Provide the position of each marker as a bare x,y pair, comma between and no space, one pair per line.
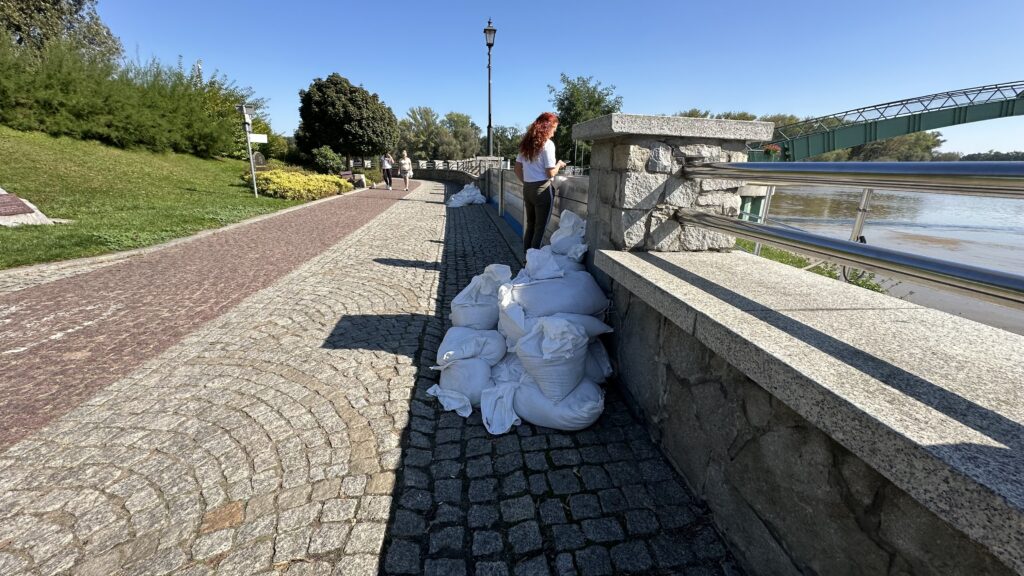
421,133
578,100
465,134
992,155
916,147
694,113
506,141
34,23
350,120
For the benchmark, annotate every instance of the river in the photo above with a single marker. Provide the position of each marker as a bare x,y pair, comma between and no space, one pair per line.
986,232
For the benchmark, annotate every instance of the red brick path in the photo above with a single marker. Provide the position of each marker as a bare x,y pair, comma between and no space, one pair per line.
63,341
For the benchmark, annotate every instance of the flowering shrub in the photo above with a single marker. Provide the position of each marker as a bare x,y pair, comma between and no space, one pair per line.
299,186
772,149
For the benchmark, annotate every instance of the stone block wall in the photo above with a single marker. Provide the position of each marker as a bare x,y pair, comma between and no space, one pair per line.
641,184
787,498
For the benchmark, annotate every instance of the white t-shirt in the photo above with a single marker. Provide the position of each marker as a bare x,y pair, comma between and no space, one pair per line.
537,170
385,163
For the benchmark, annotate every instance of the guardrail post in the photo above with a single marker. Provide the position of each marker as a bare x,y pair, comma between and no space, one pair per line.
638,179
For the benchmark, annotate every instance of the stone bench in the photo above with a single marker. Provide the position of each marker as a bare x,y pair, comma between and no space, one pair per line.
828,427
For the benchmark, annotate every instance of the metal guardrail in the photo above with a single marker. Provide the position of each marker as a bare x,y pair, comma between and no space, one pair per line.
995,179
998,179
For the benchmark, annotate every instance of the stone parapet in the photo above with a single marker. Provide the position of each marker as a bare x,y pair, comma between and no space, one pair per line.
639,182
831,430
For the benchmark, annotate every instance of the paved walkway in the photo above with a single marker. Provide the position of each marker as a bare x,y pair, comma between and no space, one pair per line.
292,433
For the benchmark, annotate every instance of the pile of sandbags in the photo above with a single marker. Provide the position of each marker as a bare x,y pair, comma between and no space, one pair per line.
469,194
544,363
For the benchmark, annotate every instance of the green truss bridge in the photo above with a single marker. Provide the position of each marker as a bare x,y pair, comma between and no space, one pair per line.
872,123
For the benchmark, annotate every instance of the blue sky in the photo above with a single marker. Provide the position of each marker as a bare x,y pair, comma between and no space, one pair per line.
800,57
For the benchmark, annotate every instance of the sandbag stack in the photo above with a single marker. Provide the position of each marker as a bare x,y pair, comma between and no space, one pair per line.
544,362
469,194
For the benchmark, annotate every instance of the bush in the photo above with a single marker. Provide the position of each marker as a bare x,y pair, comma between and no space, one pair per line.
299,186
326,161
63,92
373,175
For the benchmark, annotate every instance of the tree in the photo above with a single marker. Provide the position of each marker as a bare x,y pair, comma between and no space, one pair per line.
506,141
694,113
347,118
465,134
34,23
578,100
916,147
421,133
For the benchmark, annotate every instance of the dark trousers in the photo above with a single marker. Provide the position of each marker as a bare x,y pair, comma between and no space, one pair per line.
387,175
537,199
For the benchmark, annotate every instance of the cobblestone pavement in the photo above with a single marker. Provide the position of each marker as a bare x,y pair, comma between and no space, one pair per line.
63,340
293,435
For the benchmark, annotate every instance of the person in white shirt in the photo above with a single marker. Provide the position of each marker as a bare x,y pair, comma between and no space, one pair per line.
386,162
536,168
405,168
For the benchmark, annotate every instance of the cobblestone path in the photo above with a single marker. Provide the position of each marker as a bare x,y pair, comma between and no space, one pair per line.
62,340
293,435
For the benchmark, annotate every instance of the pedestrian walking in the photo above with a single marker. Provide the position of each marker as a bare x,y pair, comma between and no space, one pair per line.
405,168
536,168
386,162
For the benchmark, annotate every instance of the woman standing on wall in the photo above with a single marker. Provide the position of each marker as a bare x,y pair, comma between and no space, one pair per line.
536,167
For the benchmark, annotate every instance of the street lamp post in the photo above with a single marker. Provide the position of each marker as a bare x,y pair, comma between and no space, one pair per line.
489,37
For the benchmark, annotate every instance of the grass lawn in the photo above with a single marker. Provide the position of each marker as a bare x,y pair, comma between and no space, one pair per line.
118,199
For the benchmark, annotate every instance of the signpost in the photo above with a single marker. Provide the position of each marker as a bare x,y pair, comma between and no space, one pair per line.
247,123
258,138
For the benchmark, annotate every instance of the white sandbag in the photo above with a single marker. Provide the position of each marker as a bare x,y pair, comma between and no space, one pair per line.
523,277
565,262
497,409
460,343
576,253
576,411
591,325
469,194
571,231
554,354
477,305
576,292
513,323
541,265
509,370
599,365
461,384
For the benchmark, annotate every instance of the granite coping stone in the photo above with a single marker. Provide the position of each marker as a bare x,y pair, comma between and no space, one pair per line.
620,125
932,401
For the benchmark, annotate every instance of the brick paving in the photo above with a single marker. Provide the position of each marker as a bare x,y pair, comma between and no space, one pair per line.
61,341
293,435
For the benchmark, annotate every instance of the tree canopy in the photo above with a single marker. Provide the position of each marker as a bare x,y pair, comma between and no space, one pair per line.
34,23
465,135
506,141
578,100
350,120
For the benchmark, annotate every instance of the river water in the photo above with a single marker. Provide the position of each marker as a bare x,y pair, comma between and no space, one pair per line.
986,232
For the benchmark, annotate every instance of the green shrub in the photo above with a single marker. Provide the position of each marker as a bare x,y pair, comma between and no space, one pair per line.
300,186
372,174
62,91
326,161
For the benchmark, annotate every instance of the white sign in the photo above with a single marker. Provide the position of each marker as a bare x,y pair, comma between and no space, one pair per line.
258,138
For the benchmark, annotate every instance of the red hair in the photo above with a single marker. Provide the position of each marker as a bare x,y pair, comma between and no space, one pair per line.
537,134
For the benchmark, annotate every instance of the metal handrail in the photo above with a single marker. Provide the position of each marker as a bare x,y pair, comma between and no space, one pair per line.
992,285
996,179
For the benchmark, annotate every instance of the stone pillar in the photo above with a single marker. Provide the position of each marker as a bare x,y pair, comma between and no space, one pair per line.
637,180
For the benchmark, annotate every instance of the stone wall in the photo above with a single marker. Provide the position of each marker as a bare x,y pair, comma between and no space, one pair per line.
786,495
788,498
